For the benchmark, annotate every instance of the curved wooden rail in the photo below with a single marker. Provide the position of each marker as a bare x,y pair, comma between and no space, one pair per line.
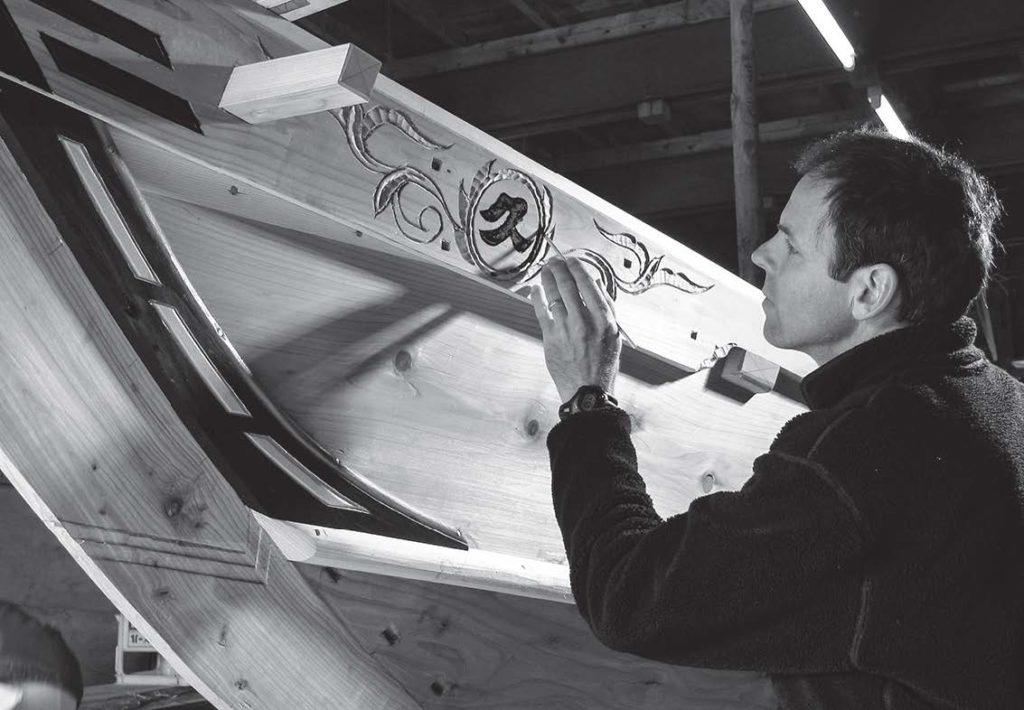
94,445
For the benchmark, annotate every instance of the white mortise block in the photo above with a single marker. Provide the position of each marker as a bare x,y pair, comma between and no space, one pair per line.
300,84
749,371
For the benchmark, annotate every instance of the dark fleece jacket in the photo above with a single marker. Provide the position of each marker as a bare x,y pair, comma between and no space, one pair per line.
881,536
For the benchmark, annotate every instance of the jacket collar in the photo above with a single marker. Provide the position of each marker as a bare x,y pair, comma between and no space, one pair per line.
930,344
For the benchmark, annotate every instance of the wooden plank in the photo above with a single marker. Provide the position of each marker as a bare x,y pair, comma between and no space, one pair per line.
402,559
466,648
352,205
307,166
305,83
744,138
89,440
553,39
785,129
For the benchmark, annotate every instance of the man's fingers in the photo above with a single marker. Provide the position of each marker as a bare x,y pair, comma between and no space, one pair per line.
568,290
594,295
540,309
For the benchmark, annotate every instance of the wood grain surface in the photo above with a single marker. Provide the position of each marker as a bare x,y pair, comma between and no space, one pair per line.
432,386
89,440
467,648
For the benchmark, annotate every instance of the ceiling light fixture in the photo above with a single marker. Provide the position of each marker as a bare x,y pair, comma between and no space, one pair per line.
830,30
886,113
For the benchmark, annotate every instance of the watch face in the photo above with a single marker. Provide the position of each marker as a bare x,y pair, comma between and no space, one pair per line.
588,400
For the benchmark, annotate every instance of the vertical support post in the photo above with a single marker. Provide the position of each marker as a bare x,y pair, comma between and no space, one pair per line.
745,137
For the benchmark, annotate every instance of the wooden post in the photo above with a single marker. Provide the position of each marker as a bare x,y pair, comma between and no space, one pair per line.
744,137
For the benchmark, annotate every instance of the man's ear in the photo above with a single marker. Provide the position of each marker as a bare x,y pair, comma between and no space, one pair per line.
875,289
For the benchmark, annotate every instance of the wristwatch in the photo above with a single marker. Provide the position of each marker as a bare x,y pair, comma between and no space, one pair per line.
588,398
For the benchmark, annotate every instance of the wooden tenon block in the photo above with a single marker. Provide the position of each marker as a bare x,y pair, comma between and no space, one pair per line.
750,371
300,84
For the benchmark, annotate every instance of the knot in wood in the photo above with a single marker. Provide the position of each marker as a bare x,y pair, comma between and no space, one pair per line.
173,506
403,360
707,482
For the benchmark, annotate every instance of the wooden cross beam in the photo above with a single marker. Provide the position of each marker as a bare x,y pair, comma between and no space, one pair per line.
550,39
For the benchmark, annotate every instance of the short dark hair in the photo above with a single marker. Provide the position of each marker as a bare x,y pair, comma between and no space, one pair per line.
919,208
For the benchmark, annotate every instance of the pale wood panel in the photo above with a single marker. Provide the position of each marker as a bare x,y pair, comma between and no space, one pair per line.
466,648
460,433
307,161
87,437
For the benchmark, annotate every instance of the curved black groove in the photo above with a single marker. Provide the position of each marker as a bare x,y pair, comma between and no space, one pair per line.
31,127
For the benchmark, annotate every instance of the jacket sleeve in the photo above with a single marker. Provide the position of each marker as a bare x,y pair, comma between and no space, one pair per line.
745,579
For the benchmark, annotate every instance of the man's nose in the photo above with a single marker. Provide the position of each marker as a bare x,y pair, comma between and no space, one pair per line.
758,257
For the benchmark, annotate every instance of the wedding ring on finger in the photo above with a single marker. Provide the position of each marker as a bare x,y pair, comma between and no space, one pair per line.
556,302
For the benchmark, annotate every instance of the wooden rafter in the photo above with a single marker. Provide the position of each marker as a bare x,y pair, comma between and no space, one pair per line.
529,12
426,16
602,29
993,141
770,132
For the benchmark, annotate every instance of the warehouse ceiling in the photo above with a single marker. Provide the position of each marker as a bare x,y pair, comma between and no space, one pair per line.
631,98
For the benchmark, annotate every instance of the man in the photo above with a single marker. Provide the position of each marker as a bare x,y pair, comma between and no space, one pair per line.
875,558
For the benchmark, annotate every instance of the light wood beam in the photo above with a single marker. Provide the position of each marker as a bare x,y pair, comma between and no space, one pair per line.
550,39
744,137
300,84
708,141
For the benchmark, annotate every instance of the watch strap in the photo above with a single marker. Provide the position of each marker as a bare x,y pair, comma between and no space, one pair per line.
588,398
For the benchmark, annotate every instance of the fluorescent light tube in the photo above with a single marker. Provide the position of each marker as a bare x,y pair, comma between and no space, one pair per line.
830,30
890,120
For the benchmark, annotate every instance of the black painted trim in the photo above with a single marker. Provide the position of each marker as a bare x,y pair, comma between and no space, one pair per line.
114,80
102,21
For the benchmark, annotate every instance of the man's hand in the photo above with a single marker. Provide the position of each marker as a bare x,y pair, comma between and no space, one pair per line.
581,336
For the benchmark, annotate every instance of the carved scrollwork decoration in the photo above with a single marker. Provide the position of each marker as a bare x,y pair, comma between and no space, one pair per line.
649,272
506,210
514,209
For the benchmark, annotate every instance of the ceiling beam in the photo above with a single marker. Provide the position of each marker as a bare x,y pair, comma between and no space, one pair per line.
550,39
595,78
693,61
769,132
426,16
992,140
527,10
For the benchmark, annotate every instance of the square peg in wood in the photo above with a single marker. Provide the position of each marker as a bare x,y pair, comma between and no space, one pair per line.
305,83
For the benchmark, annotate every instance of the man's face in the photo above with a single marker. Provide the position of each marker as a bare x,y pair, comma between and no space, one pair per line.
805,308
